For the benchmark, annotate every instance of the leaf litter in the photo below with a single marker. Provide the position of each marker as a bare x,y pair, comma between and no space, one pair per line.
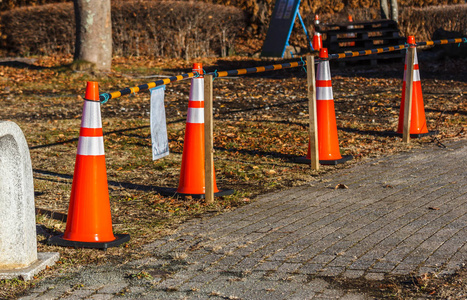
260,125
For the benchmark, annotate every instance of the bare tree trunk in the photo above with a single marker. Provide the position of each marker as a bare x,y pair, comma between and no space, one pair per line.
394,11
384,9
93,33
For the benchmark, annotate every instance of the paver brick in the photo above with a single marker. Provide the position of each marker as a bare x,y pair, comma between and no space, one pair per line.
348,273
268,266
57,291
30,296
112,288
331,271
401,214
310,268
79,294
101,296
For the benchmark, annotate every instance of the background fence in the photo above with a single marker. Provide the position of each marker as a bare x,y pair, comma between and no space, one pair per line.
185,29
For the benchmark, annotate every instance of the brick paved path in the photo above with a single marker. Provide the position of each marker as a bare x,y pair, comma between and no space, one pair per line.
402,214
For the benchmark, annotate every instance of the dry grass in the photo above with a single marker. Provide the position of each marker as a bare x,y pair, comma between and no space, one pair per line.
260,126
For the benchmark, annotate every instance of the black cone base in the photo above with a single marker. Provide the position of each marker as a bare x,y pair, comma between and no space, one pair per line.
304,160
337,161
417,136
60,241
172,192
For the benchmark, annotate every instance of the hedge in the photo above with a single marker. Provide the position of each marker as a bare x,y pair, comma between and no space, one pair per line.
165,28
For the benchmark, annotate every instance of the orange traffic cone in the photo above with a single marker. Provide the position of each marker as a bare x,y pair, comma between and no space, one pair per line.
351,35
192,174
328,143
418,126
317,42
89,222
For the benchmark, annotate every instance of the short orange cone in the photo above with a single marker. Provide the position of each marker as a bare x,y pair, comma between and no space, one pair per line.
328,143
418,127
317,42
351,35
192,175
89,222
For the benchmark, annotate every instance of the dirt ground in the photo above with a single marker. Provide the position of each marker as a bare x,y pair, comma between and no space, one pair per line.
260,126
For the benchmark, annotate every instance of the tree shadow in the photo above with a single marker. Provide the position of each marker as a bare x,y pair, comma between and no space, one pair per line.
383,133
226,113
448,112
106,133
167,191
76,139
21,63
29,63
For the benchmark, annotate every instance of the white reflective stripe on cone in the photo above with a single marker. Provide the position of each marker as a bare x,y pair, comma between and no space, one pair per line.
197,89
416,75
91,115
415,61
416,71
323,72
91,145
195,115
324,93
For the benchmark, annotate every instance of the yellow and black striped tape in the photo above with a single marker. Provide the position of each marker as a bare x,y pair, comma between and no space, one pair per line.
106,96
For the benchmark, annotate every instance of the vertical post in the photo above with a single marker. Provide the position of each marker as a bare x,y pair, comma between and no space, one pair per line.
208,140
384,9
313,129
395,11
408,94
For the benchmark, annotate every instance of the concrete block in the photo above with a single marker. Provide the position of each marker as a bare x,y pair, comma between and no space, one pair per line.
44,260
18,241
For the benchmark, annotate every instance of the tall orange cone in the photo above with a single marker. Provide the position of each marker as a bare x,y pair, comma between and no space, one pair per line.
192,174
418,127
328,143
89,222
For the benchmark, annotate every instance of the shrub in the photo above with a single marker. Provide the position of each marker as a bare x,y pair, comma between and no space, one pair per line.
423,22
166,28
11,4
42,29
175,28
196,28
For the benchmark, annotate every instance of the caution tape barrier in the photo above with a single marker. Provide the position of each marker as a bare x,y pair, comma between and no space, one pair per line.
127,91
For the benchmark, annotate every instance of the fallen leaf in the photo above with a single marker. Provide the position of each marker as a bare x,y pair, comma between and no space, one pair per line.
341,186
433,208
